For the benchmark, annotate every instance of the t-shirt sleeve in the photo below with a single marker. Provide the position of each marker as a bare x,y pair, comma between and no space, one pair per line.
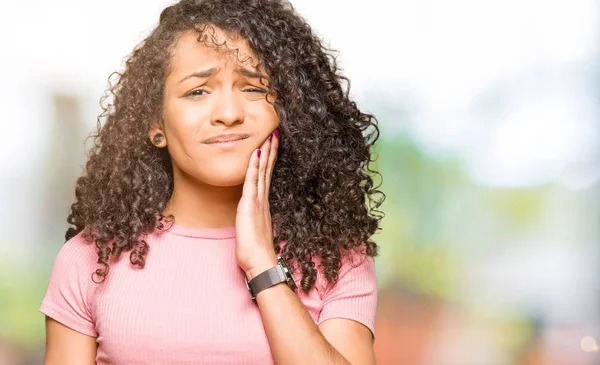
69,292
354,296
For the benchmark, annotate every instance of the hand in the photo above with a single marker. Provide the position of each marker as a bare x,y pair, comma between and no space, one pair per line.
254,250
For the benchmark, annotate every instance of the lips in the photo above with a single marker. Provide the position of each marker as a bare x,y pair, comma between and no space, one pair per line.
226,138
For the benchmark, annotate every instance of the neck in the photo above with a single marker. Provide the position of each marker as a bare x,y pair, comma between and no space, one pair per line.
198,205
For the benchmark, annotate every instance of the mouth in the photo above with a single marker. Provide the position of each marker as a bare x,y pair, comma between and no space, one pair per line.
226,138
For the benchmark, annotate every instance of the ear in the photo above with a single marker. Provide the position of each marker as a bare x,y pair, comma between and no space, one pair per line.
156,132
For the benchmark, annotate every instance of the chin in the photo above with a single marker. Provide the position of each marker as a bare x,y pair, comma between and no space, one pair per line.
225,176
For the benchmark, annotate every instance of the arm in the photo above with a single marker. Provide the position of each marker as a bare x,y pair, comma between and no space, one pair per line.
350,338
70,328
65,346
294,337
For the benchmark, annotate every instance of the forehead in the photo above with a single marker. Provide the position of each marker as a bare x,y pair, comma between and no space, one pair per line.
215,47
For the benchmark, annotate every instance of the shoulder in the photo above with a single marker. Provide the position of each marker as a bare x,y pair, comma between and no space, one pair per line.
77,252
357,268
70,288
354,294
75,262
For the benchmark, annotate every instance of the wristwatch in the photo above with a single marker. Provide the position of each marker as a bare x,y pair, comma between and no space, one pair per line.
277,274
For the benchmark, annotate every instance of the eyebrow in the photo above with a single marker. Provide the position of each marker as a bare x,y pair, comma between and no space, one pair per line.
211,71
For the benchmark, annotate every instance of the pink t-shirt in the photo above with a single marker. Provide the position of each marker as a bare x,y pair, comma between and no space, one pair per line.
189,304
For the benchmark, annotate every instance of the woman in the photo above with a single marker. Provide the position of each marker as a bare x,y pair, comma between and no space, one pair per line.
230,150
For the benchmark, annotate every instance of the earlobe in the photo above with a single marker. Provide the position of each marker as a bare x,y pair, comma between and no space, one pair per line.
157,135
158,139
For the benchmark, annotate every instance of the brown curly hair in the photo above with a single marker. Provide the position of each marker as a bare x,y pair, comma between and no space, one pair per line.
322,204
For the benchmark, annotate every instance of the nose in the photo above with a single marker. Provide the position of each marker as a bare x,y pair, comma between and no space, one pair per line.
228,108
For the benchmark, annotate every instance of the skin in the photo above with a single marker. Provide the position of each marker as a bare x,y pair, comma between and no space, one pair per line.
208,181
216,187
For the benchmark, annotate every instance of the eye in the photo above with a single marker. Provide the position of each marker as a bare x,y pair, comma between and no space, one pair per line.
195,92
256,90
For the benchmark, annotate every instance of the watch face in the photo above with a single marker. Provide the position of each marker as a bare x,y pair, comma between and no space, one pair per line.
288,276
248,287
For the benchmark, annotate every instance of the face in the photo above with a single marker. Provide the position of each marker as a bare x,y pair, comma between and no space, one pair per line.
209,94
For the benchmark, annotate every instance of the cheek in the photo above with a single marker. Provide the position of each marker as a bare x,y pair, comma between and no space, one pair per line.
266,116
182,125
215,166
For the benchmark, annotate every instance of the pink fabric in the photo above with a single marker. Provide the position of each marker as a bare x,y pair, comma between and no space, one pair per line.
189,304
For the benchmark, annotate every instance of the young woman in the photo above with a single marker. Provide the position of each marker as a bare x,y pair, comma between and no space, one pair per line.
226,211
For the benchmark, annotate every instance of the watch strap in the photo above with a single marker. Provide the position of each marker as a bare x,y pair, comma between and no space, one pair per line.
266,279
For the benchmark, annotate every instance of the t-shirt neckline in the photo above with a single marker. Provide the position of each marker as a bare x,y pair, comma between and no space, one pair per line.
219,233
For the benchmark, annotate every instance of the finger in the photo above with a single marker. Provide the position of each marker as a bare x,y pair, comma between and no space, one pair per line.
251,181
272,160
262,168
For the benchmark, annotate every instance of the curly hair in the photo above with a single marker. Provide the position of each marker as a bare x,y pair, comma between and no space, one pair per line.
322,204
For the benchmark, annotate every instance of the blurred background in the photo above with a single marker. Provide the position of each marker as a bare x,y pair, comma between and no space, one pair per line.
490,152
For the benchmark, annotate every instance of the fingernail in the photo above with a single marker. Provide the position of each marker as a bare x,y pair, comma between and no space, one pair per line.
277,132
258,153
270,136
